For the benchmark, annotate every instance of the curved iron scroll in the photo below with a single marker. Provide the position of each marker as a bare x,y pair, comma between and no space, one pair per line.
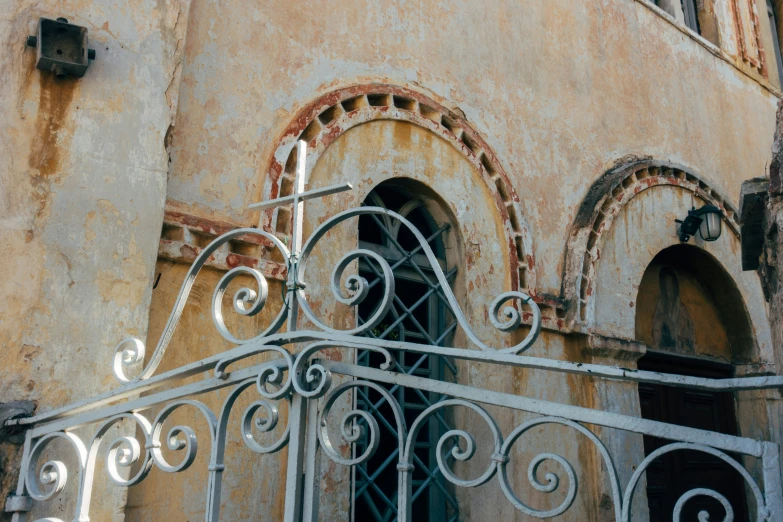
130,353
295,377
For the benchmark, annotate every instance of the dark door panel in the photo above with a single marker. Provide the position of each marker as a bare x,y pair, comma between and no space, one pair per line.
676,473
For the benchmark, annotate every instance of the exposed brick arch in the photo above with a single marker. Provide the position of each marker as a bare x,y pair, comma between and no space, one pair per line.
324,120
604,201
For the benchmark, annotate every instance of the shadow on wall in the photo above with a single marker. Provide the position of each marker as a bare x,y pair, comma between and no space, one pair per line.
689,305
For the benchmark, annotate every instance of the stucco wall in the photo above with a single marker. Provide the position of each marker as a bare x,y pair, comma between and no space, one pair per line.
177,496
559,91
83,182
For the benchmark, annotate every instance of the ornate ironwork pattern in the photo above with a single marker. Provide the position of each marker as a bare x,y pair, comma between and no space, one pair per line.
309,387
418,314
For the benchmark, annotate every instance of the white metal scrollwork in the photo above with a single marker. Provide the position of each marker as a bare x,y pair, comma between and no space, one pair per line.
308,388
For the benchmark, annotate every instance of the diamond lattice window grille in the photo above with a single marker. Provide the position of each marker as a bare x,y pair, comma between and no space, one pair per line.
419,315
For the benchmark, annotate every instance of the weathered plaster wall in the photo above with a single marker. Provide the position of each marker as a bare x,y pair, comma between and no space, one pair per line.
559,91
82,186
248,475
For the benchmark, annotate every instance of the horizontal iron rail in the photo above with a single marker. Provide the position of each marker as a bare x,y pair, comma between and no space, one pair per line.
131,389
149,401
519,361
303,196
590,370
576,413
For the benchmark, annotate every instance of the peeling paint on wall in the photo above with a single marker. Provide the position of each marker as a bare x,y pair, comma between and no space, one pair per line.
109,184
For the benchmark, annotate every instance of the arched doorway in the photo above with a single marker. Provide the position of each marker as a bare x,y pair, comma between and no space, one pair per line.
691,316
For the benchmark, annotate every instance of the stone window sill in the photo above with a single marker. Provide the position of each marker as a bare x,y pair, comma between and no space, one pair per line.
709,46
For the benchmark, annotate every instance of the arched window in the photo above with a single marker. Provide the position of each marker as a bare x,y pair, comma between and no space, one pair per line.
418,315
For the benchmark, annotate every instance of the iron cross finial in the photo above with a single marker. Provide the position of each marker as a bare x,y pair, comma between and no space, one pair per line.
300,196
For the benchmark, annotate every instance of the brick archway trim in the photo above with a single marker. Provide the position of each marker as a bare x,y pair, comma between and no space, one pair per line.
325,119
604,201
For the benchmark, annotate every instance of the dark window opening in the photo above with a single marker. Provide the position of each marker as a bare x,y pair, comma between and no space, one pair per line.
418,315
691,13
773,25
665,5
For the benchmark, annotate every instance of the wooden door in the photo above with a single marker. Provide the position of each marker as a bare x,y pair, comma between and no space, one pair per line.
673,474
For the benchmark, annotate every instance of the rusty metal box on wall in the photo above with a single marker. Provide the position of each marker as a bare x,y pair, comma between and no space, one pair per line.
61,47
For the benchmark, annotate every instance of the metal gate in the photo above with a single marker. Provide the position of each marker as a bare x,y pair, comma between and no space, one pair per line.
418,314
313,386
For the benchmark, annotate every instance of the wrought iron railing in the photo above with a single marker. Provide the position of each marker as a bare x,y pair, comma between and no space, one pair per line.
312,385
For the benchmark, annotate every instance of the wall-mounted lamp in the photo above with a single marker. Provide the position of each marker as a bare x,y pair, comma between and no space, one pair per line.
707,220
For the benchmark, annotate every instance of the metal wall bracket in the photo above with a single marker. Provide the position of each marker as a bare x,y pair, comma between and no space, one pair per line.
18,504
61,47
10,411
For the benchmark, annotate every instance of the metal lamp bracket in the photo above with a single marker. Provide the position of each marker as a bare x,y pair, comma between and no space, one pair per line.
689,226
61,48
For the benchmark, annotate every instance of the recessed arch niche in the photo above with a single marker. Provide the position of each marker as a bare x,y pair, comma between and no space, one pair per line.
604,202
634,221
689,305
